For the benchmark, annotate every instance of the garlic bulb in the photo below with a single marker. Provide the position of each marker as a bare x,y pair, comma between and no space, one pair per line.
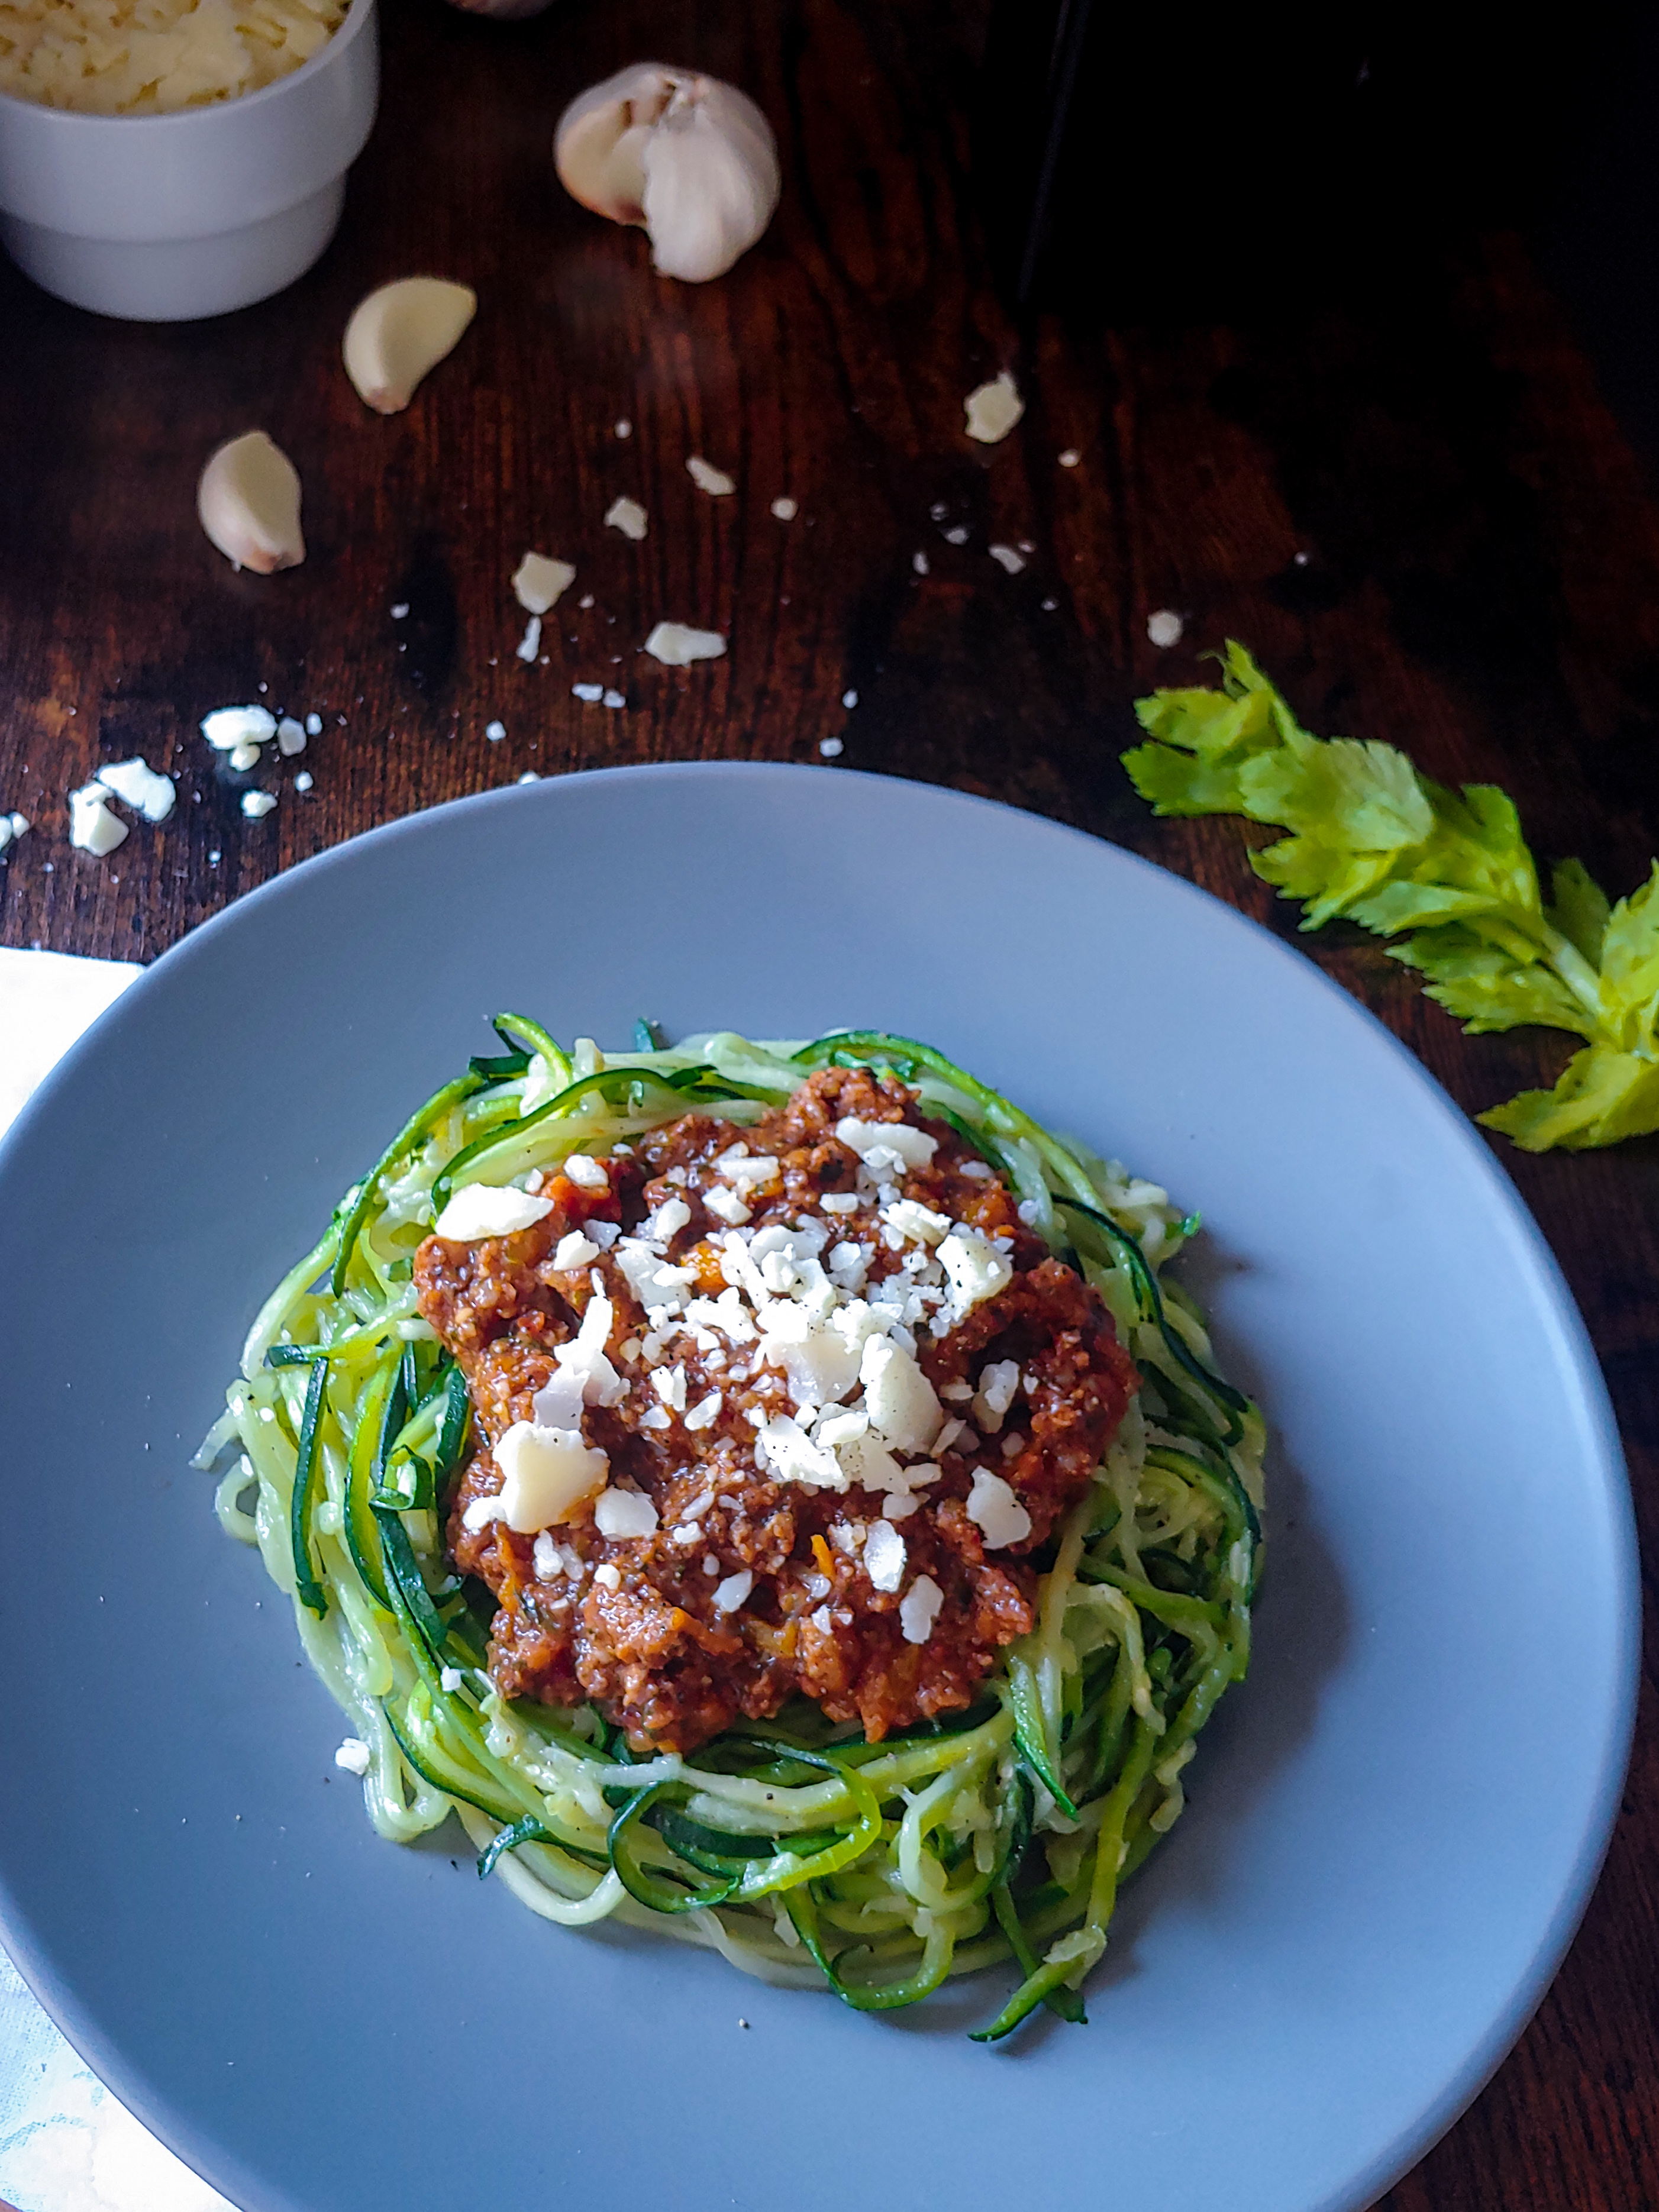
689,159
401,332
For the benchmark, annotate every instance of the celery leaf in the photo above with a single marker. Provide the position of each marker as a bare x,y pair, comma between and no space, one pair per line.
1373,840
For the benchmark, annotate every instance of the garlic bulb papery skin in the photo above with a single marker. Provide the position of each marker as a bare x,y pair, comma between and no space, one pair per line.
689,158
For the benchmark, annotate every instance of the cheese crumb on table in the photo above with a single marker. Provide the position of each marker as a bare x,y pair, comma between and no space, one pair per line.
707,478
628,516
993,410
1164,627
676,645
239,732
136,785
540,582
93,827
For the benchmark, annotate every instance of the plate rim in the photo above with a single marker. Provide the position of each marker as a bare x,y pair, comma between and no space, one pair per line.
1582,1368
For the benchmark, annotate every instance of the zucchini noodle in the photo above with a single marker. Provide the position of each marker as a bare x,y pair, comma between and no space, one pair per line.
801,1852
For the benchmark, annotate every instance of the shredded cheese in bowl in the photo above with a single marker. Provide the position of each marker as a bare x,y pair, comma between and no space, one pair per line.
155,57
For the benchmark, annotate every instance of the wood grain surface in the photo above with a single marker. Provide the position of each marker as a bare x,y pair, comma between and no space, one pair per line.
1407,497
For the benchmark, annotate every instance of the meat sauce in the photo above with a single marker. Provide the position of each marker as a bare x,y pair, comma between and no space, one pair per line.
646,1627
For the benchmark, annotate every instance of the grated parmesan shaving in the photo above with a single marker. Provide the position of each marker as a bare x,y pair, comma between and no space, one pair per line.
154,57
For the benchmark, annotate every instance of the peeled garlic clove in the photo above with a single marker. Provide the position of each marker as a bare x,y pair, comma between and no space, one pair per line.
400,333
690,158
248,501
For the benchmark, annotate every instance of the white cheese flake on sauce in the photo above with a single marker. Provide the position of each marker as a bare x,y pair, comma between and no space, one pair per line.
884,1556
483,1210
546,1474
731,1593
573,1250
997,1513
914,1148
919,1609
624,1513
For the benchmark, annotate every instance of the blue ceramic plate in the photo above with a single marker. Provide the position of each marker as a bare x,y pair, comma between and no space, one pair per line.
1394,1824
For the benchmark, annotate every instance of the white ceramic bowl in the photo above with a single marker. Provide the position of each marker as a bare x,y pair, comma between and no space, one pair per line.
163,218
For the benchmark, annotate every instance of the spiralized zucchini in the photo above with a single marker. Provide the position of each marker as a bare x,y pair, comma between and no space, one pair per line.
801,1852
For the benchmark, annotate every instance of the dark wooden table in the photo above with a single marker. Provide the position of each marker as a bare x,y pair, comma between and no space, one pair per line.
1481,584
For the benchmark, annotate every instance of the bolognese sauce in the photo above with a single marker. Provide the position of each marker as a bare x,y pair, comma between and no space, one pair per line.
828,1394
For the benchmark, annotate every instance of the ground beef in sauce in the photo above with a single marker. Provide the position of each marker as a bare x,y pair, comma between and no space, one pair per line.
655,1652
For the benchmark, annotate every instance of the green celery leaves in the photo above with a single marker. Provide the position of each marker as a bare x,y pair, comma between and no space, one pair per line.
1372,840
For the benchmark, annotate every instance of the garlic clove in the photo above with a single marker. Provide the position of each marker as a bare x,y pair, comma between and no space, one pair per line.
690,158
247,499
601,135
400,333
